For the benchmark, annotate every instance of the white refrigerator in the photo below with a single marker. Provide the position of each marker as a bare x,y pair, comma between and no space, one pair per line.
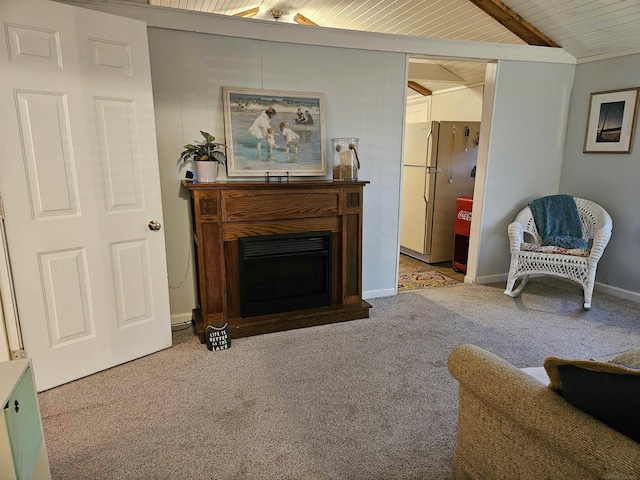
438,167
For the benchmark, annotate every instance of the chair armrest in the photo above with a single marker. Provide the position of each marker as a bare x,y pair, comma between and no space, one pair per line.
516,236
507,392
600,241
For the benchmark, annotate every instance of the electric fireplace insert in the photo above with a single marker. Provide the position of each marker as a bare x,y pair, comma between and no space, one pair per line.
284,272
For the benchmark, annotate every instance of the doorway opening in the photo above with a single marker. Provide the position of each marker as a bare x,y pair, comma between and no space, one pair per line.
442,132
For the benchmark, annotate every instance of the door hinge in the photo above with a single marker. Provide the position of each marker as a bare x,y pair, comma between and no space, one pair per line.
18,354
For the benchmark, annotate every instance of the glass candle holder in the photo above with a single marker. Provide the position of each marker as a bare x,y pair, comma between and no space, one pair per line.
345,158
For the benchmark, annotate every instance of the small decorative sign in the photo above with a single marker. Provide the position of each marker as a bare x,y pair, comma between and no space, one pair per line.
217,336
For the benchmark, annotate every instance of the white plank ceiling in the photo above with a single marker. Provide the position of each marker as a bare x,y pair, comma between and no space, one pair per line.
452,19
587,29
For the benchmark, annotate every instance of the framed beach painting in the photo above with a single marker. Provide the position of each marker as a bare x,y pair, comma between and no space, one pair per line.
611,121
274,133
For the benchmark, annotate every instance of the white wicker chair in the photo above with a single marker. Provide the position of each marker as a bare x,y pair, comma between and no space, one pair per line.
596,229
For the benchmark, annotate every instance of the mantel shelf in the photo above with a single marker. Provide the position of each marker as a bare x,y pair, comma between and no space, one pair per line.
232,184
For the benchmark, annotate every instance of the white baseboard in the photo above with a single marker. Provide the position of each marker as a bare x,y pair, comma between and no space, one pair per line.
500,277
600,287
387,292
618,292
180,318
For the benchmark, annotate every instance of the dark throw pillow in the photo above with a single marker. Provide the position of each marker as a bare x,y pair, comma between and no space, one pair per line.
611,398
608,392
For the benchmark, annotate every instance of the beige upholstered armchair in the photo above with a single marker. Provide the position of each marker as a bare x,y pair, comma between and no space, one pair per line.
528,257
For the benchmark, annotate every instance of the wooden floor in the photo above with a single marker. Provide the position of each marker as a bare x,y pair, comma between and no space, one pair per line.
410,265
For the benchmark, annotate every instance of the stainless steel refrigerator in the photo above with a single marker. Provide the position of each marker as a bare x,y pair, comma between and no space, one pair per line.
438,167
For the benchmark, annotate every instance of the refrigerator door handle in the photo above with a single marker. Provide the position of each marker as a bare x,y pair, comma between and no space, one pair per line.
425,185
431,168
428,168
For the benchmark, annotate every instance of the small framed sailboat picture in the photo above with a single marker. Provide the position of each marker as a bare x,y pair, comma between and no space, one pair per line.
611,121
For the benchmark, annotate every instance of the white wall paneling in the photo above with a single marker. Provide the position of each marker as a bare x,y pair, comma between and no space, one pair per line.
520,157
361,100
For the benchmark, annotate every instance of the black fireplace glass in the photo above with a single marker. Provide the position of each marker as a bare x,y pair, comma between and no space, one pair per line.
283,273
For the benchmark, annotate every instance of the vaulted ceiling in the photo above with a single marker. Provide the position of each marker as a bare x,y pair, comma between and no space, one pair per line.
587,29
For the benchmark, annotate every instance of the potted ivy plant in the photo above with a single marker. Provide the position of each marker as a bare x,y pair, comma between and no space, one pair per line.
206,156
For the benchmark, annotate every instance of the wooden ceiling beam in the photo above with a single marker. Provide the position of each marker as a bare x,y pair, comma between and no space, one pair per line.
302,20
514,22
247,13
415,86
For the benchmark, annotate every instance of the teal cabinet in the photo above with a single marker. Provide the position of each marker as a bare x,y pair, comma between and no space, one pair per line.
22,449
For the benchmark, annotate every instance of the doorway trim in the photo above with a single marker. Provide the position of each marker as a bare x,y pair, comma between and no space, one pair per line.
11,346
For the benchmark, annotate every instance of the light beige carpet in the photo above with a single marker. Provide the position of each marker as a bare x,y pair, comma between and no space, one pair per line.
366,399
419,280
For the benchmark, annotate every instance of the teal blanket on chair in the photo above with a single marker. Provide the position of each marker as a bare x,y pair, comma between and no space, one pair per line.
558,221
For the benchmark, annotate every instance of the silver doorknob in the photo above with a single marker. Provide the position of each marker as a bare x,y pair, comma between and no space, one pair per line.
153,225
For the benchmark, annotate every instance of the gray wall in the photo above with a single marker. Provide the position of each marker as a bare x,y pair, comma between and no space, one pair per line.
521,148
612,180
364,97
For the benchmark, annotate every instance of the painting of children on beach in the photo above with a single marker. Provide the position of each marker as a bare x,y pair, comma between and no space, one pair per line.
274,132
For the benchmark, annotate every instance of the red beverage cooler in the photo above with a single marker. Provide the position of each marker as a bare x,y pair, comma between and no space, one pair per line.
461,234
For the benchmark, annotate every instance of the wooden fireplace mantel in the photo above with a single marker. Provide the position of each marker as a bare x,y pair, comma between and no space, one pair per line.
224,211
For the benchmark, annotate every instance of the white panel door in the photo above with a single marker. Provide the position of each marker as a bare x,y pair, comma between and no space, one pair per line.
80,183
